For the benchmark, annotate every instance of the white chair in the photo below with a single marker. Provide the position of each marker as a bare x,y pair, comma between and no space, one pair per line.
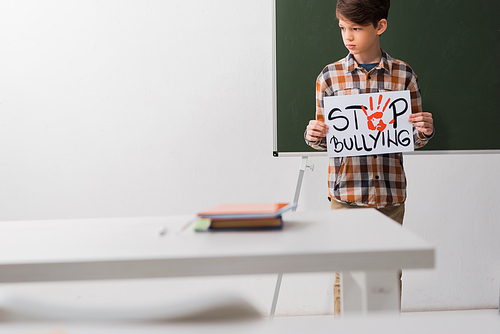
216,306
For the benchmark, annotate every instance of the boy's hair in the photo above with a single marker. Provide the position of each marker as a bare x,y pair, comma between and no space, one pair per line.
363,12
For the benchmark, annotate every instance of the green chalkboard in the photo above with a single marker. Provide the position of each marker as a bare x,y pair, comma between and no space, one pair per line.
452,45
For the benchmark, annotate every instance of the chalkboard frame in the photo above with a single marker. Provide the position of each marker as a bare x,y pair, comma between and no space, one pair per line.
441,131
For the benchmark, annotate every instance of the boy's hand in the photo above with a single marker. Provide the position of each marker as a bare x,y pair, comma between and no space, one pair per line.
316,130
423,122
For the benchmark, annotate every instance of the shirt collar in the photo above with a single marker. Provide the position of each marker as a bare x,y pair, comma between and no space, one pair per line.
350,64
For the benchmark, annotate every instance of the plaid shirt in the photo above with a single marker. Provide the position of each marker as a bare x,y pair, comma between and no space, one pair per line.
374,180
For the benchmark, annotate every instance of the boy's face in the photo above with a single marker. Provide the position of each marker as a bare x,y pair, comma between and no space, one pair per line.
362,41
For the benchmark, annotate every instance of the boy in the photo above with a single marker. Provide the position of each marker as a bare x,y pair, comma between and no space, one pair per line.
376,181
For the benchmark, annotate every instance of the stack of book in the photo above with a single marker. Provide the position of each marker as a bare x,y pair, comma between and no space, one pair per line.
248,216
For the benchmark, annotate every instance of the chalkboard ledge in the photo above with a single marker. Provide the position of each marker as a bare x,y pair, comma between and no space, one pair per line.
416,152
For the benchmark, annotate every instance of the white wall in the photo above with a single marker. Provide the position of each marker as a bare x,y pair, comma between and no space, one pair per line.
131,108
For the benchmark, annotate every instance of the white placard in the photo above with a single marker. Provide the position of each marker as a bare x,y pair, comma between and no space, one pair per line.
366,124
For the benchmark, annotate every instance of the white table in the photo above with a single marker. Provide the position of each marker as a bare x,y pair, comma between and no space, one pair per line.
366,246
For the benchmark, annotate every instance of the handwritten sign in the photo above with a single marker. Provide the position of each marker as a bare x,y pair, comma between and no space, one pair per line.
366,124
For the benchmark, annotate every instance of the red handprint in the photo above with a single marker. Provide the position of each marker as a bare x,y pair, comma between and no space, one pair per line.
375,121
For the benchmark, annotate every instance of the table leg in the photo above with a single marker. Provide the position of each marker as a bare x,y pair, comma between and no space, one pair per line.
370,291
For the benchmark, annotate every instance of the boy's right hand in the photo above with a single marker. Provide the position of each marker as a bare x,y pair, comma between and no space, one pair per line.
316,130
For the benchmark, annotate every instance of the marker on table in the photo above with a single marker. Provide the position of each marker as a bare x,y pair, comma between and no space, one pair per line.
162,231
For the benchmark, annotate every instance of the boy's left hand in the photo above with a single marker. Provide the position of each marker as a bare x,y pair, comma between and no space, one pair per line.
423,122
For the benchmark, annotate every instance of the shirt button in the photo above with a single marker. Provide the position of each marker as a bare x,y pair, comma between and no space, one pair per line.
377,177
375,156
369,77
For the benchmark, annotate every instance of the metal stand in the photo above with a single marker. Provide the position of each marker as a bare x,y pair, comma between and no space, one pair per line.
275,298
302,170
